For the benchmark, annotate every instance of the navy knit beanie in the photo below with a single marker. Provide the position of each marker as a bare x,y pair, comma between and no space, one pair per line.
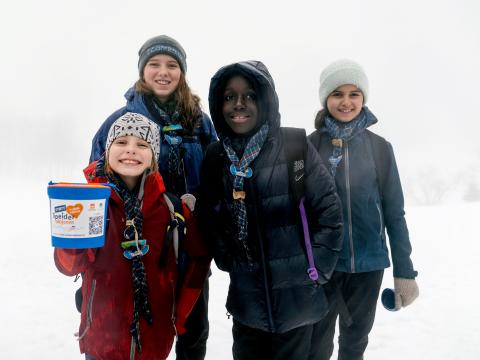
162,44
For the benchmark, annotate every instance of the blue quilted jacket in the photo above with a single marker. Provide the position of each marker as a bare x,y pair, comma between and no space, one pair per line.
204,134
365,215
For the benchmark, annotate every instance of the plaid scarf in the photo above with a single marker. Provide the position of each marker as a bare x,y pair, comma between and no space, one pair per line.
239,170
166,115
340,132
141,305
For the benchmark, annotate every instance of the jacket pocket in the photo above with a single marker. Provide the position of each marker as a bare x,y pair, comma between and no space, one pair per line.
380,216
381,230
89,310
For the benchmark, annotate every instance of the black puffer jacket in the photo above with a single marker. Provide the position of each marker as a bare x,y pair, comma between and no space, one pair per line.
275,294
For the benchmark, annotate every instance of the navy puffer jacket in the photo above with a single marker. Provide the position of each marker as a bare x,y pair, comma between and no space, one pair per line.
204,134
275,294
365,215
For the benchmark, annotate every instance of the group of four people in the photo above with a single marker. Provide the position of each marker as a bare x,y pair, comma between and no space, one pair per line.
293,269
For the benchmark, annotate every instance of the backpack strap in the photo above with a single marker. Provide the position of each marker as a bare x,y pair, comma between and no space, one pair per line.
212,172
380,158
316,139
295,147
176,228
216,159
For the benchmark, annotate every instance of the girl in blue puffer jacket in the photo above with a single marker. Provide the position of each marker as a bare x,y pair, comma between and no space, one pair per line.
162,94
372,201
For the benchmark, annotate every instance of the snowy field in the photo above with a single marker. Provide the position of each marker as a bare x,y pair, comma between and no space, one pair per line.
38,316
67,64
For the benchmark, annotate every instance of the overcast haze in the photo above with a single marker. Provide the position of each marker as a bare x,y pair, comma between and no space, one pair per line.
65,66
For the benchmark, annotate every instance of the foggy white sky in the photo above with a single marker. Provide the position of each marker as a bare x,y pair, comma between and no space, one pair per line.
65,66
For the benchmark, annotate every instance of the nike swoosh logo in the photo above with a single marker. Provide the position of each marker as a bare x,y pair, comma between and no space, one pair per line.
298,177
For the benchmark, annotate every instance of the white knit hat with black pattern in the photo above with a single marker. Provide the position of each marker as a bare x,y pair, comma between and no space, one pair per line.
342,72
134,124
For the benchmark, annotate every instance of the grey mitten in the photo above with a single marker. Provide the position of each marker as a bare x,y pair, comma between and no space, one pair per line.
406,291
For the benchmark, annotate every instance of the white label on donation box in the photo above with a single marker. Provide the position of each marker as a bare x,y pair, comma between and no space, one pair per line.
77,218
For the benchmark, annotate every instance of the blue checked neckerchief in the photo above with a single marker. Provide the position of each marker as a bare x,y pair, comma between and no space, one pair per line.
239,169
141,304
340,132
176,174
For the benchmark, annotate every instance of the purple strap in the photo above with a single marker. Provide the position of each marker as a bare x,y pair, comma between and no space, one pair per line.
312,270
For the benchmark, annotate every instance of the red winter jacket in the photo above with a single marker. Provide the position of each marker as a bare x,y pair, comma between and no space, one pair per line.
107,307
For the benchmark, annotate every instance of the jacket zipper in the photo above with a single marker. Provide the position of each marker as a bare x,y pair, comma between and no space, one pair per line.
262,257
349,209
132,342
174,308
89,310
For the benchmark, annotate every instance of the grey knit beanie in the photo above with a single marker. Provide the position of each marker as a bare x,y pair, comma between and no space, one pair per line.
342,72
134,124
162,44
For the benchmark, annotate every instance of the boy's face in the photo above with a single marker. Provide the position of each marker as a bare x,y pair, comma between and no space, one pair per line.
240,105
345,103
162,74
129,157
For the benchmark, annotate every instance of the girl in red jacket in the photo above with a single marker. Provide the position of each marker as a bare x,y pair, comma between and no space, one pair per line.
132,307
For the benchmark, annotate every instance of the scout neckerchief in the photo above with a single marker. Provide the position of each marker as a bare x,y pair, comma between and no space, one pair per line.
240,170
172,133
340,132
134,248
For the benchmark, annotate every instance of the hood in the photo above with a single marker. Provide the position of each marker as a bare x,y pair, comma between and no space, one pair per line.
135,103
267,100
90,173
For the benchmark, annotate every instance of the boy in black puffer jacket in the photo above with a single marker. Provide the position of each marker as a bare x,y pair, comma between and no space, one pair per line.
252,220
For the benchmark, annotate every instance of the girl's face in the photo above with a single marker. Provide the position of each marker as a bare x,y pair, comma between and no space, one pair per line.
129,157
162,74
345,103
240,105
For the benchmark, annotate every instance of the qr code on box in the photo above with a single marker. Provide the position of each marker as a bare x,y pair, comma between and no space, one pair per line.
95,225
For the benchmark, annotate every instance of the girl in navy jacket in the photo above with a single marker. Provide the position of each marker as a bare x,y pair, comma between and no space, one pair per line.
372,201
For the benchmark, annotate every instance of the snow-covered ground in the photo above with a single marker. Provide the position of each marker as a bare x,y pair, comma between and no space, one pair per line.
38,316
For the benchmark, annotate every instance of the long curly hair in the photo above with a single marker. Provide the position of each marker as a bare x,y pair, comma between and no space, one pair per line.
188,104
